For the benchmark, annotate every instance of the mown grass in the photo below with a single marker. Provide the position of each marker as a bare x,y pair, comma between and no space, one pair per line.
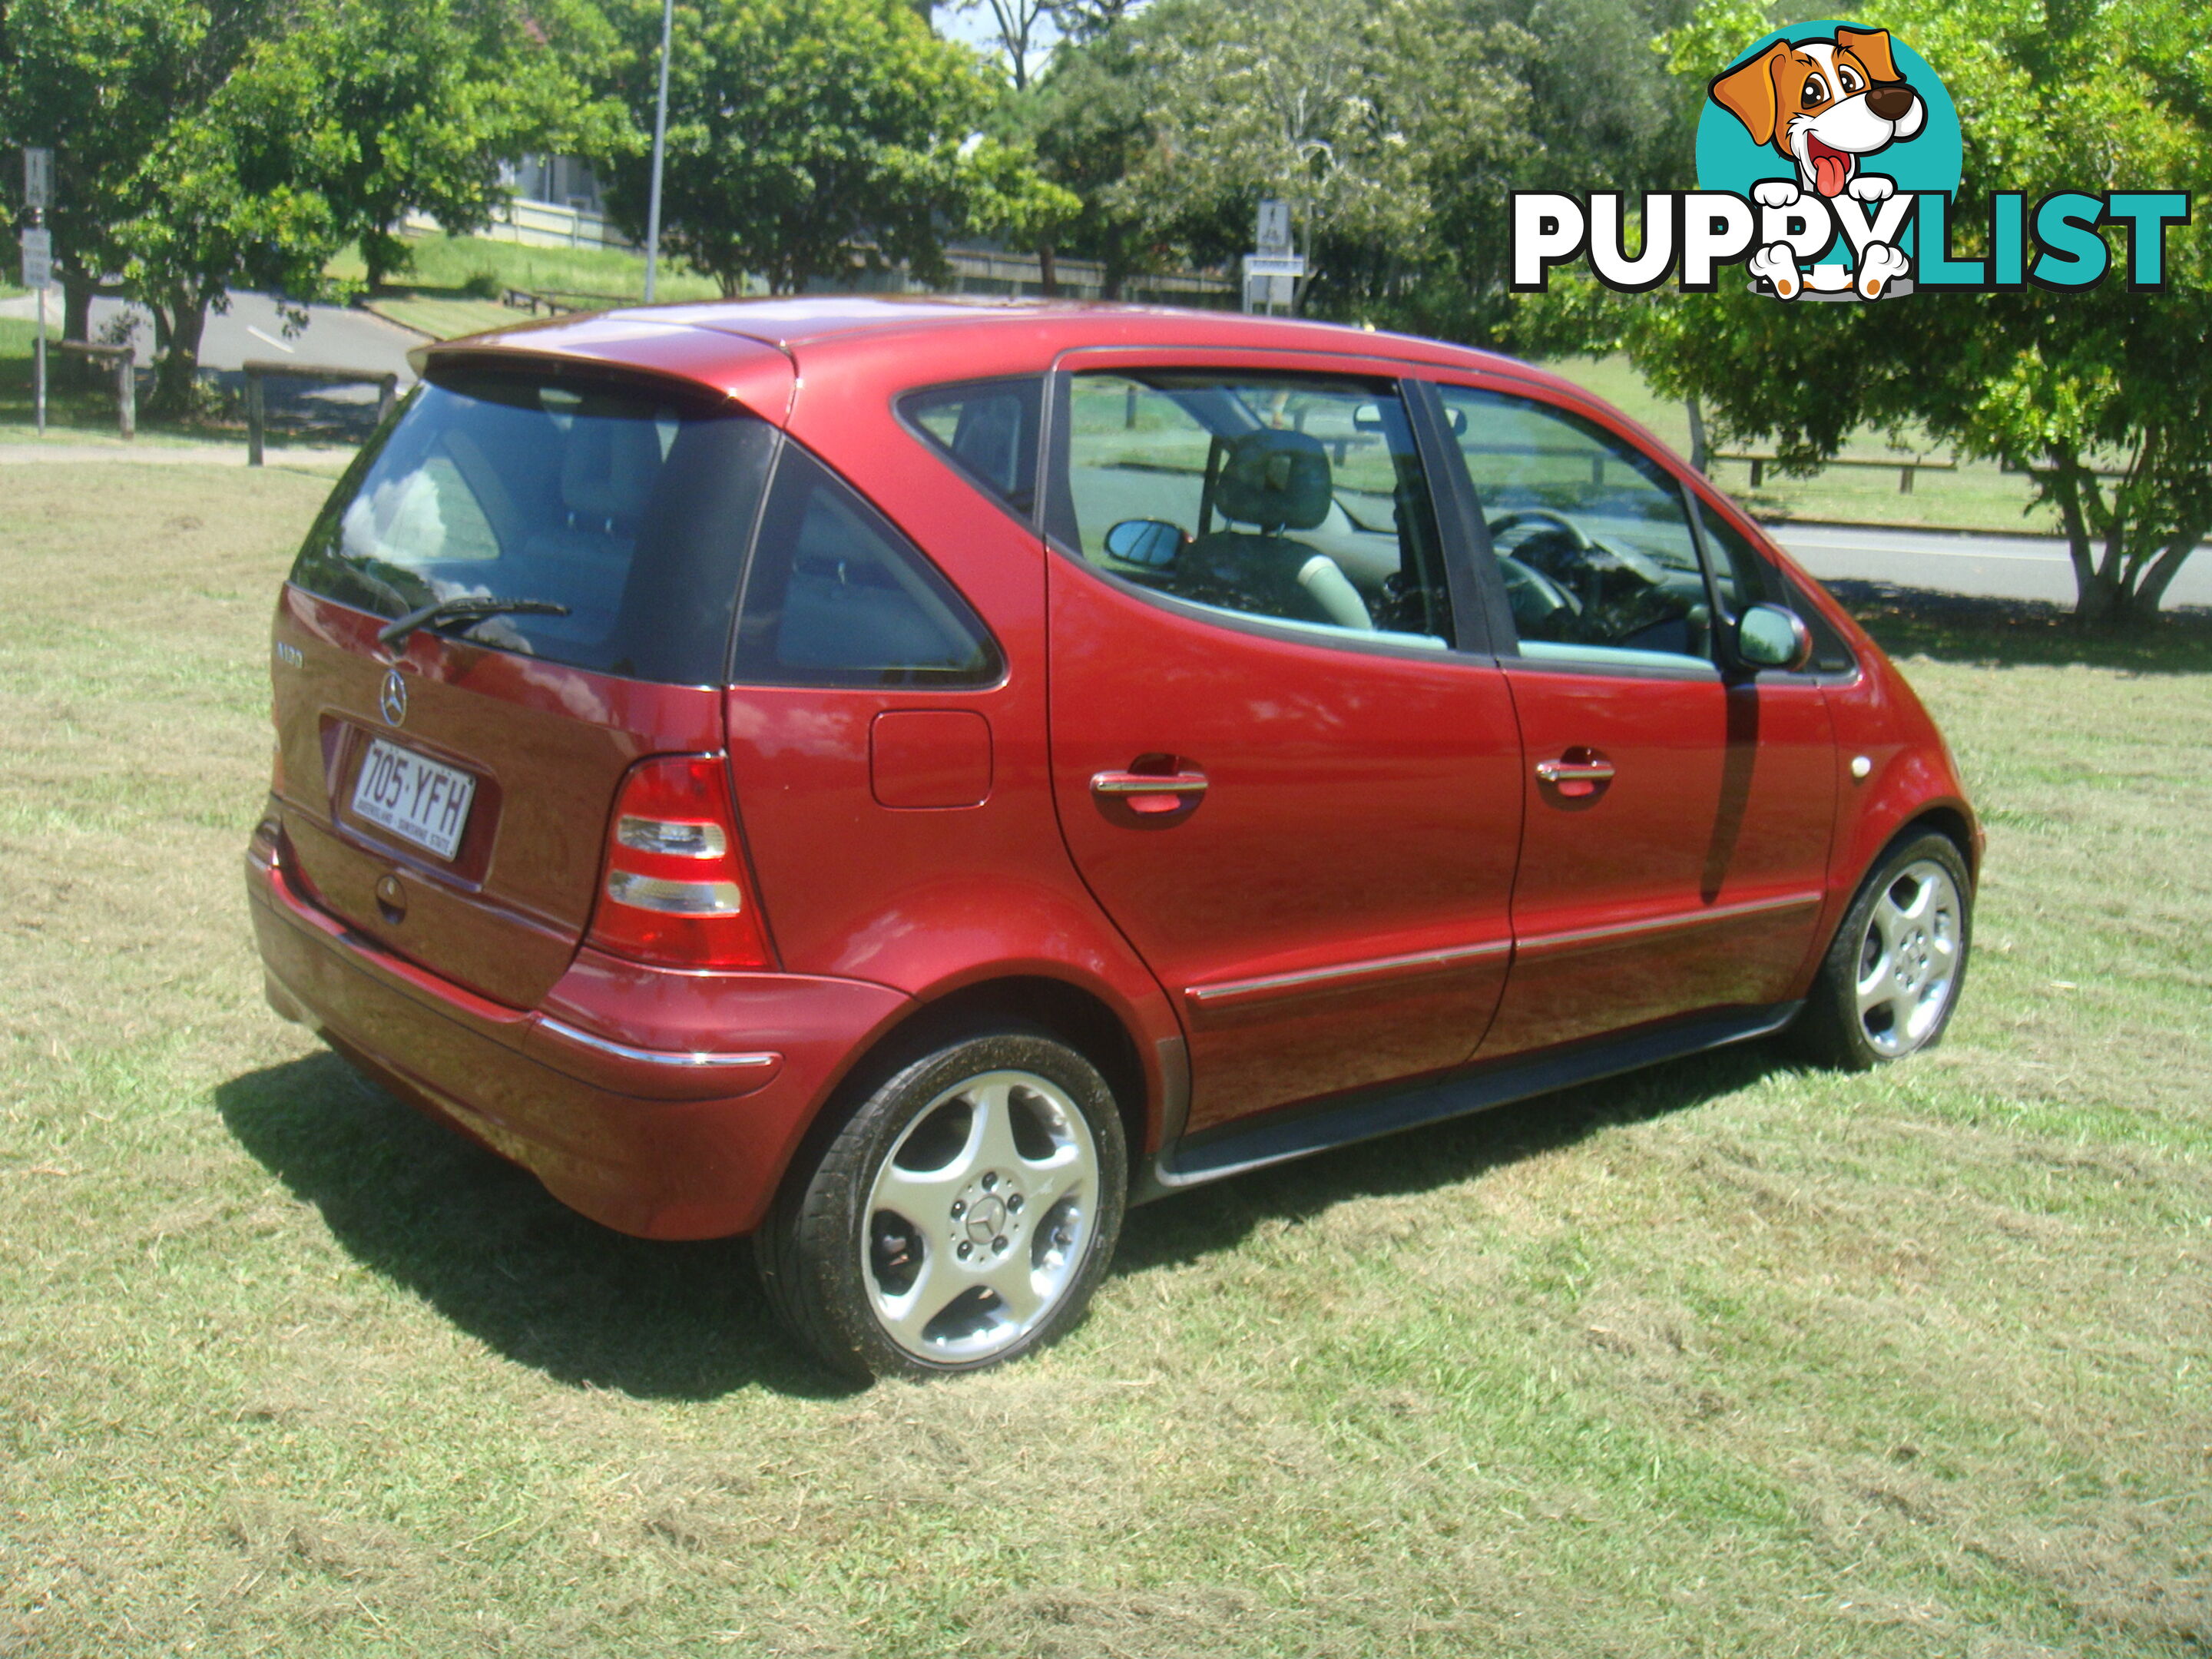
452,283
1727,1357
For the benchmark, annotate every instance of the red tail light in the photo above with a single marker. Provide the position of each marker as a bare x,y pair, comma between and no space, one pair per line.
675,892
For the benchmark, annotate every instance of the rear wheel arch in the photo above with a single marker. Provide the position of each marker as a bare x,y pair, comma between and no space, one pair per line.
1057,1007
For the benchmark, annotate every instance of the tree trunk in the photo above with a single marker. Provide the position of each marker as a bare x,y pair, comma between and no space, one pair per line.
2125,588
76,307
1048,275
383,253
2151,590
1698,455
179,320
76,325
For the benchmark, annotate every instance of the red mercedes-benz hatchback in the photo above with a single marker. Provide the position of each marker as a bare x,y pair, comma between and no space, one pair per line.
907,778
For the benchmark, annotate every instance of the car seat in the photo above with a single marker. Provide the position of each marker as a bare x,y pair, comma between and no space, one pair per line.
1275,480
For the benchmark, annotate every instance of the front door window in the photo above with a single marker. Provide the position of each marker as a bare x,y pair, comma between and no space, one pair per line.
1590,535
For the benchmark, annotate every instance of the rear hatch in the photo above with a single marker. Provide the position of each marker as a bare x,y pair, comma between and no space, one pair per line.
447,793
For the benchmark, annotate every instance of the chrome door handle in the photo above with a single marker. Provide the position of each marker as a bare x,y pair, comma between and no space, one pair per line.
1567,771
1148,783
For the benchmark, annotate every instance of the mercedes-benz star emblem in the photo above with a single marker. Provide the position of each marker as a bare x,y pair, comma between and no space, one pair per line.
393,703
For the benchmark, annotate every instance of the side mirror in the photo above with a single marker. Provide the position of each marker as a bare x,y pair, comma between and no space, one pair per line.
1767,636
1152,543
1367,417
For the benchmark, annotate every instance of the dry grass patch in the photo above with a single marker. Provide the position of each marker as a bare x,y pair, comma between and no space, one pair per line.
1726,1358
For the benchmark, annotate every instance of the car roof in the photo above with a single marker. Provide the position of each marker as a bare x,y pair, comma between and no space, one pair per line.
852,320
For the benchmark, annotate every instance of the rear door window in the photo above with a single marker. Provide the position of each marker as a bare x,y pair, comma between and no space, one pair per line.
836,596
628,507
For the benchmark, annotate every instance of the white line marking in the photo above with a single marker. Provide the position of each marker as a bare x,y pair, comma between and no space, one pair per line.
289,351
1862,550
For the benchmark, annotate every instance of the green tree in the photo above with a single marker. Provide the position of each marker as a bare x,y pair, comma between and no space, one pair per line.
798,130
99,81
1021,26
1364,115
1088,20
412,105
2103,397
1088,124
204,145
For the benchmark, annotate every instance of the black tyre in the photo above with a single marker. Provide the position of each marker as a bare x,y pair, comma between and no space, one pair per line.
1893,972
961,1218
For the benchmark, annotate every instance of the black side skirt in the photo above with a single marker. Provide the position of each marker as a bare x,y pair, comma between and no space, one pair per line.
1344,1120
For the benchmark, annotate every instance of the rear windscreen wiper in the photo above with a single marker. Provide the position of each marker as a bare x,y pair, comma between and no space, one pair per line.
467,607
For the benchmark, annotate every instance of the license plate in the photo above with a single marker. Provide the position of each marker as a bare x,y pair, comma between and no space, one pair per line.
417,799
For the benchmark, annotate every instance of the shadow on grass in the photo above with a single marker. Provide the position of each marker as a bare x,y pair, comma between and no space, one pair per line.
1217,1217
488,1247
494,1253
1961,628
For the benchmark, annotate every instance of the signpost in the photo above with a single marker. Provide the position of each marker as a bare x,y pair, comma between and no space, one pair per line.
1271,273
38,260
659,152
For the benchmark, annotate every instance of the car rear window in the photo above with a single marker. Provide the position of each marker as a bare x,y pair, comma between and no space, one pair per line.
629,505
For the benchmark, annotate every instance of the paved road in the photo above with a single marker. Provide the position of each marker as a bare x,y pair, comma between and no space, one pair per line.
335,337
1989,567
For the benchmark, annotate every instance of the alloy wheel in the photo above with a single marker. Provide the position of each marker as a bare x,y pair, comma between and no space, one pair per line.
1909,959
981,1217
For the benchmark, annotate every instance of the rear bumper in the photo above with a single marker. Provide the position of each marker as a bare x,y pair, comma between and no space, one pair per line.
663,1104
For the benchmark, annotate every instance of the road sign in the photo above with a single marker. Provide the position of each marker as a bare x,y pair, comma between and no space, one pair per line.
1271,235
38,258
38,178
1270,279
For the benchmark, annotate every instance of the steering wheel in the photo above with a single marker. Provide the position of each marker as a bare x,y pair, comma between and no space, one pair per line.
1534,598
1556,568
1505,521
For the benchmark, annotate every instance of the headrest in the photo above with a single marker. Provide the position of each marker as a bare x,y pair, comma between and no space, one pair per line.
1276,479
608,470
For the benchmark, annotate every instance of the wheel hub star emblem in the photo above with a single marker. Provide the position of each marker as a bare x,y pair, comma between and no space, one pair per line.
986,1219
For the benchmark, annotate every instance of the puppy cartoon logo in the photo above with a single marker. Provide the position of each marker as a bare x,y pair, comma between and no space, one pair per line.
1823,104
1826,99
